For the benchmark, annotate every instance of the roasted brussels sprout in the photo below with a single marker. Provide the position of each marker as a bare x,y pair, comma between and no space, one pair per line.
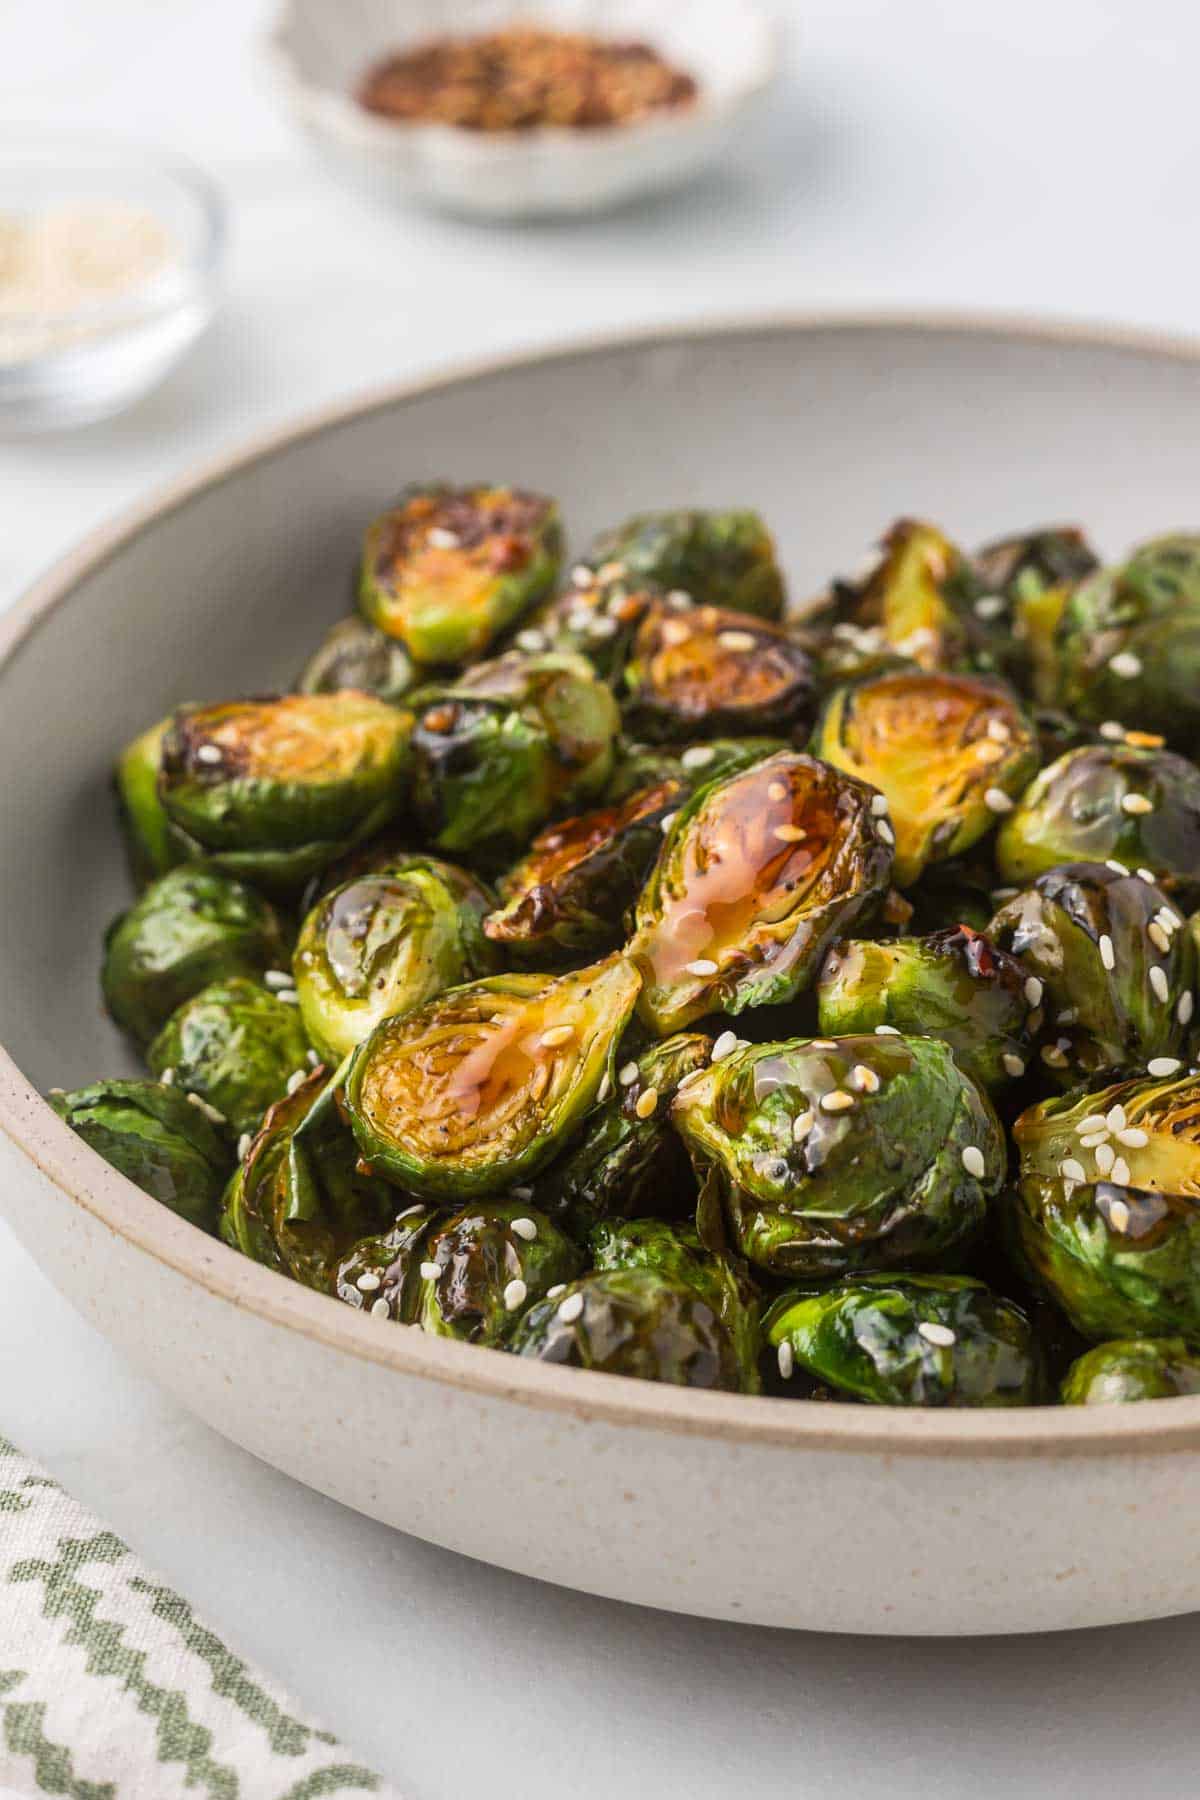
382,1274
696,765
1111,975
192,926
1109,802
1133,1369
300,1199
1107,1215
633,1322
718,558
1051,556
152,845
569,896
447,569
595,617
757,875
830,1157
356,654
676,1253
484,1267
481,1086
1022,584
383,943
954,985
910,1340
236,1046
151,1134
508,745
948,751
907,603
709,672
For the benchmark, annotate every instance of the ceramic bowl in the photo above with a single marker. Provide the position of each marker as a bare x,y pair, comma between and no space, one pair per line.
318,50
770,1510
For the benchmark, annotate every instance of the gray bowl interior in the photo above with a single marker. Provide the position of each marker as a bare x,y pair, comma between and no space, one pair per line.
831,430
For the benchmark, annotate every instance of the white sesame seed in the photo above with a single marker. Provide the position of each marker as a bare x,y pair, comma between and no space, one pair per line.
605,1088
522,1193
296,1079
786,1359
1163,1065
1033,990
1070,1170
627,1074
210,1112
679,600
531,640
312,1059
1118,1215
990,606
972,1161
1160,984
777,790
1170,921
167,1078
440,539
368,1282
409,1211
1162,943
1136,804
1093,1140
552,1293
1133,1137
725,1046
525,1228
885,831
999,731
736,640
582,576
646,1102
1146,875
789,834
997,801
879,805
1105,1157
611,571
515,1294
1108,955
1118,868
703,965
556,1037
208,753
289,996
1055,1056
838,1101
579,618
802,1124
1013,1065
430,1271
1093,1122
571,1308
1186,1007
821,1044
243,1145
864,1079
1001,894
1126,665
277,978
933,1333
602,626
1112,731
666,822
687,1082
697,756
888,1031
381,1308
1119,1173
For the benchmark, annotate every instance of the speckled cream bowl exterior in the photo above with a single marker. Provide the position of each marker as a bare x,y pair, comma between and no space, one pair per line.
825,1516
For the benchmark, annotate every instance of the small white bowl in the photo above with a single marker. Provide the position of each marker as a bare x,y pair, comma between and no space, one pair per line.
319,50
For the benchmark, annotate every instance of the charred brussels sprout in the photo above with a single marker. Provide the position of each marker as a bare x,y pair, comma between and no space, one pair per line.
831,1157
949,752
382,1274
906,606
491,1264
152,844
1108,801
757,875
192,926
1107,1215
955,986
1133,1369
708,672
633,1322
911,1340
154,1136
356,654
511,743
676,1253
1111,972
718,558
300,1200
448,569
236,1046
481,1086
569,896
383,943
595,618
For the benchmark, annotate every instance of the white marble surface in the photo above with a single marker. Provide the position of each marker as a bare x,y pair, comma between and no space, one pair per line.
938,151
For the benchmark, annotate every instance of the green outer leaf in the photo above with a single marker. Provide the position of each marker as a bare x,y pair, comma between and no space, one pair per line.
234,1044
157,1138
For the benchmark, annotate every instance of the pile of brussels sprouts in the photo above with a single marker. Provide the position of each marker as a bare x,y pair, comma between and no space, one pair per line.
603,965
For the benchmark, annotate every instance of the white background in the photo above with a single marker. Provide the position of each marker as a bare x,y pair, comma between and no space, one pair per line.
955,152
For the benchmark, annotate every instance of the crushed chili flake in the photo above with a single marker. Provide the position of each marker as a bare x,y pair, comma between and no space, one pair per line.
516,79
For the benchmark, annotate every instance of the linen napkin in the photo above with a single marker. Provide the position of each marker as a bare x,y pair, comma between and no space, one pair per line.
112,1689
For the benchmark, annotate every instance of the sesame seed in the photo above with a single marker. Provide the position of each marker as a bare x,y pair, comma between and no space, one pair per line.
697,756
552,1293
679,600
556,1037
289,996
1126,665
522,1193
440,539
675,632
1093,1122
1033,990
1161,941
602,626
933,1333
1170,921
725,1046
605,1088
1114,732
1118,1215
368,1282
1105,1157
1093,1140
210,1112
571,1308
515,1294
1070,1170
582,576
1133,1137
646,1102
1163,1065
885,831
243,1145
990,606
1186,1007
888,1031
838,1101
409,1211
736,640
999,731
380,1309
1119,1174
579,618
296,1079
627,1074
611,571
802,1124
666,822
312,1059
531,640
777,790
786,1359
703,965
1001,894
1136,804
1146,875
277,978
988,751
821,1044
687,1082
208,753
1118,868
167,1078
879,805
1055,1056
973,1163
864,1079
789,834
1108,955
1014,1065
997,801
430,1271
524,1228
1160,984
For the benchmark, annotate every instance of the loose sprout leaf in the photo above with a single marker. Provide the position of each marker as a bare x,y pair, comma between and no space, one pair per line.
151,1134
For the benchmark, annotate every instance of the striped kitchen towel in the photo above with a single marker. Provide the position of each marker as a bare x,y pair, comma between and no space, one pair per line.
112,1689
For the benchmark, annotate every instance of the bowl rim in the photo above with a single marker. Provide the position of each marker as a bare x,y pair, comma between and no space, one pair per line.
1151,1427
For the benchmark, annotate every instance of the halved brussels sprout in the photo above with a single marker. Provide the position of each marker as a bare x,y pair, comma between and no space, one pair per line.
633,1322
382,1274
628,1159
907,605
492,1264
287,782
300,1199
1132,1369
718,558
483,1085
508,745
152,845
911,1340
1107,1215
234,1044
954,985
384,943
190,927
569,896
151,1134
758,874
1111,972
862,1153
447,569
356,654
676,1253
948,751
1108,801
709,672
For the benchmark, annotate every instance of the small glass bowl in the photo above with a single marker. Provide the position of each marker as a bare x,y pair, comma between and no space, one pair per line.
66,368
